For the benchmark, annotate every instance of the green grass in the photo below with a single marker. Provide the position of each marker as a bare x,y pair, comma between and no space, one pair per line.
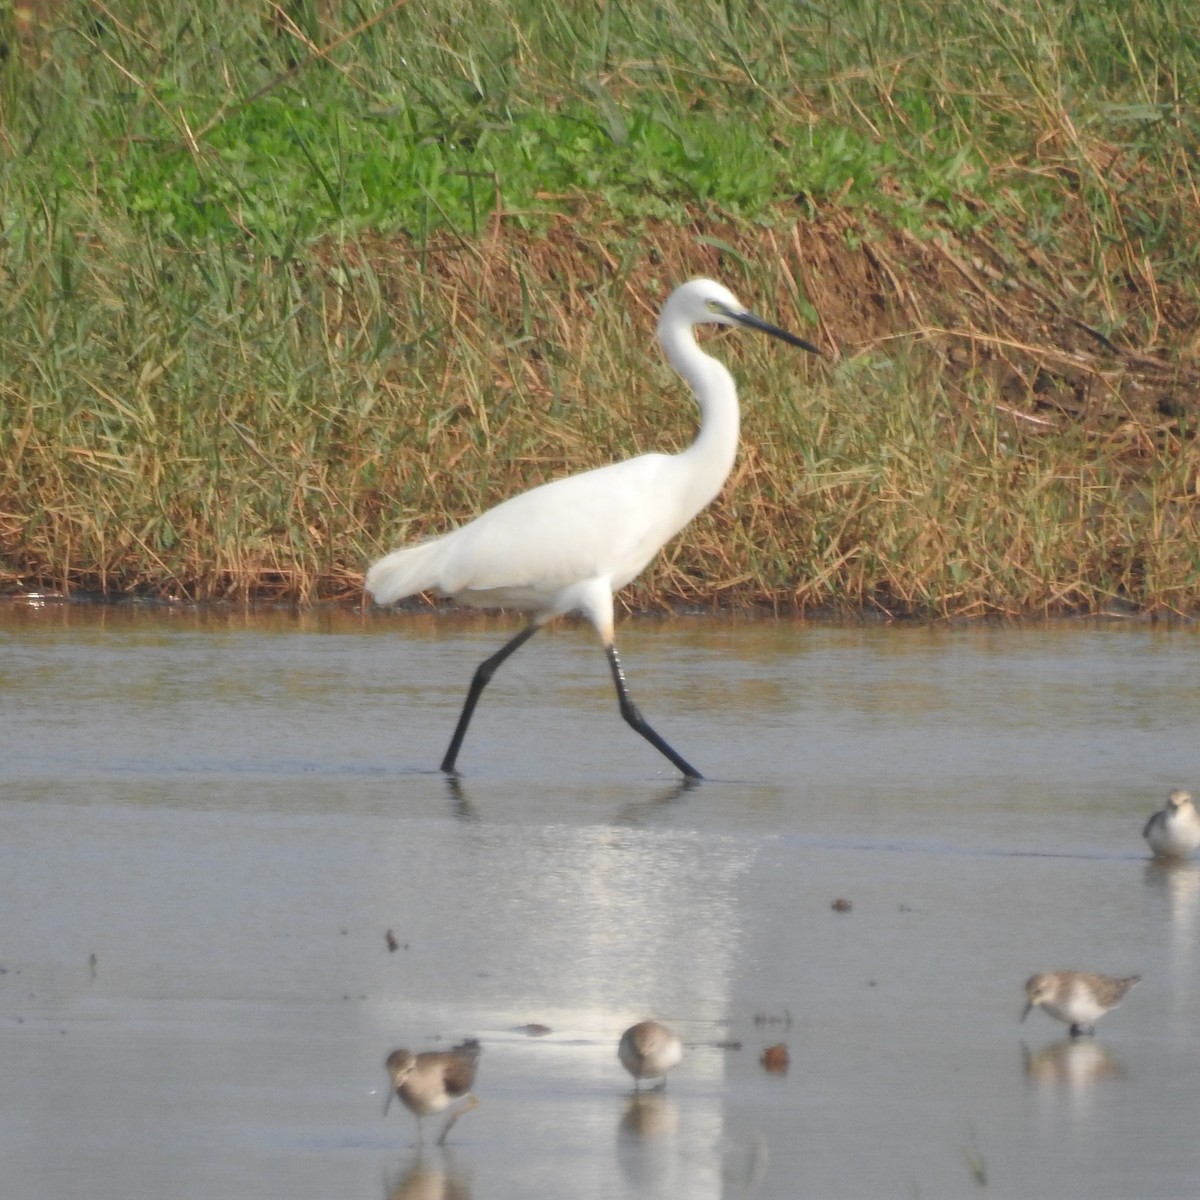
281,285
211,119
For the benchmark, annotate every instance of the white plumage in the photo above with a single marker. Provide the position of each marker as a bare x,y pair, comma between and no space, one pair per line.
568,545
1174,831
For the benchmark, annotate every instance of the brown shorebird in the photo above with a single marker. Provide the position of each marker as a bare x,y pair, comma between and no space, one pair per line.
1076,997
649,1050
1174,831
430,1082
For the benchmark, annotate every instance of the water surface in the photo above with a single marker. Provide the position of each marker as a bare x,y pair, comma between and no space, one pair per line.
209,823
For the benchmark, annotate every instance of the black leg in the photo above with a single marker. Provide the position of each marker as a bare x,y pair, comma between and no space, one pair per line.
483,673
635,720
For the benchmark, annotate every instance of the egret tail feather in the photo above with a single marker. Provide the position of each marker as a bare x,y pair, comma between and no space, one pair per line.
404,572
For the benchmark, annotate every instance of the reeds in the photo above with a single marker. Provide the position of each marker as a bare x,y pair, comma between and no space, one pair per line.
280,292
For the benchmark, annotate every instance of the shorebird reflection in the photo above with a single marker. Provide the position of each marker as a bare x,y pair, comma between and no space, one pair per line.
1075,1064
429,1179
648,1115
647,1144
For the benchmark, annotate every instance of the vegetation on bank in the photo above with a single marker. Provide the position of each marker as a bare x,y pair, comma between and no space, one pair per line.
285,285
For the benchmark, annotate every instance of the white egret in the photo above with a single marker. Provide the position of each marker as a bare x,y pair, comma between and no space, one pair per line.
568,545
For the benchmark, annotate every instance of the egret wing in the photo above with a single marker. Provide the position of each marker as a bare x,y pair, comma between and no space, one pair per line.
603,523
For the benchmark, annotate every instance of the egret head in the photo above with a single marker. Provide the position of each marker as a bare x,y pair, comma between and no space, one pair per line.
1179,799
706,302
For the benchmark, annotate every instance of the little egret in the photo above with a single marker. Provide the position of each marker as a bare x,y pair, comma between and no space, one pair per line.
568,545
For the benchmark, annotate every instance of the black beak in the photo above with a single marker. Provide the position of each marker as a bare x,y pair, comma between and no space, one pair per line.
750,321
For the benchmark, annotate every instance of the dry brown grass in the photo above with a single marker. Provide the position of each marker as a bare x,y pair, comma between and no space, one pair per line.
971,448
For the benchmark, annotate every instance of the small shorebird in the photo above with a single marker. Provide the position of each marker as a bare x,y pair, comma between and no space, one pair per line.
1174,831
649,1050
1076,997
430,1082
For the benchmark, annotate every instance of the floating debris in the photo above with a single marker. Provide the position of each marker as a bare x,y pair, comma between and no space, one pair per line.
775,1059
761,1019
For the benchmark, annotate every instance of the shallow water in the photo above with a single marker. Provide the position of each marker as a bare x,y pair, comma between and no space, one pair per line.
210,822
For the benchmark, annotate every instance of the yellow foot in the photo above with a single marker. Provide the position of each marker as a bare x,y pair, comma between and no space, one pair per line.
472,1102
